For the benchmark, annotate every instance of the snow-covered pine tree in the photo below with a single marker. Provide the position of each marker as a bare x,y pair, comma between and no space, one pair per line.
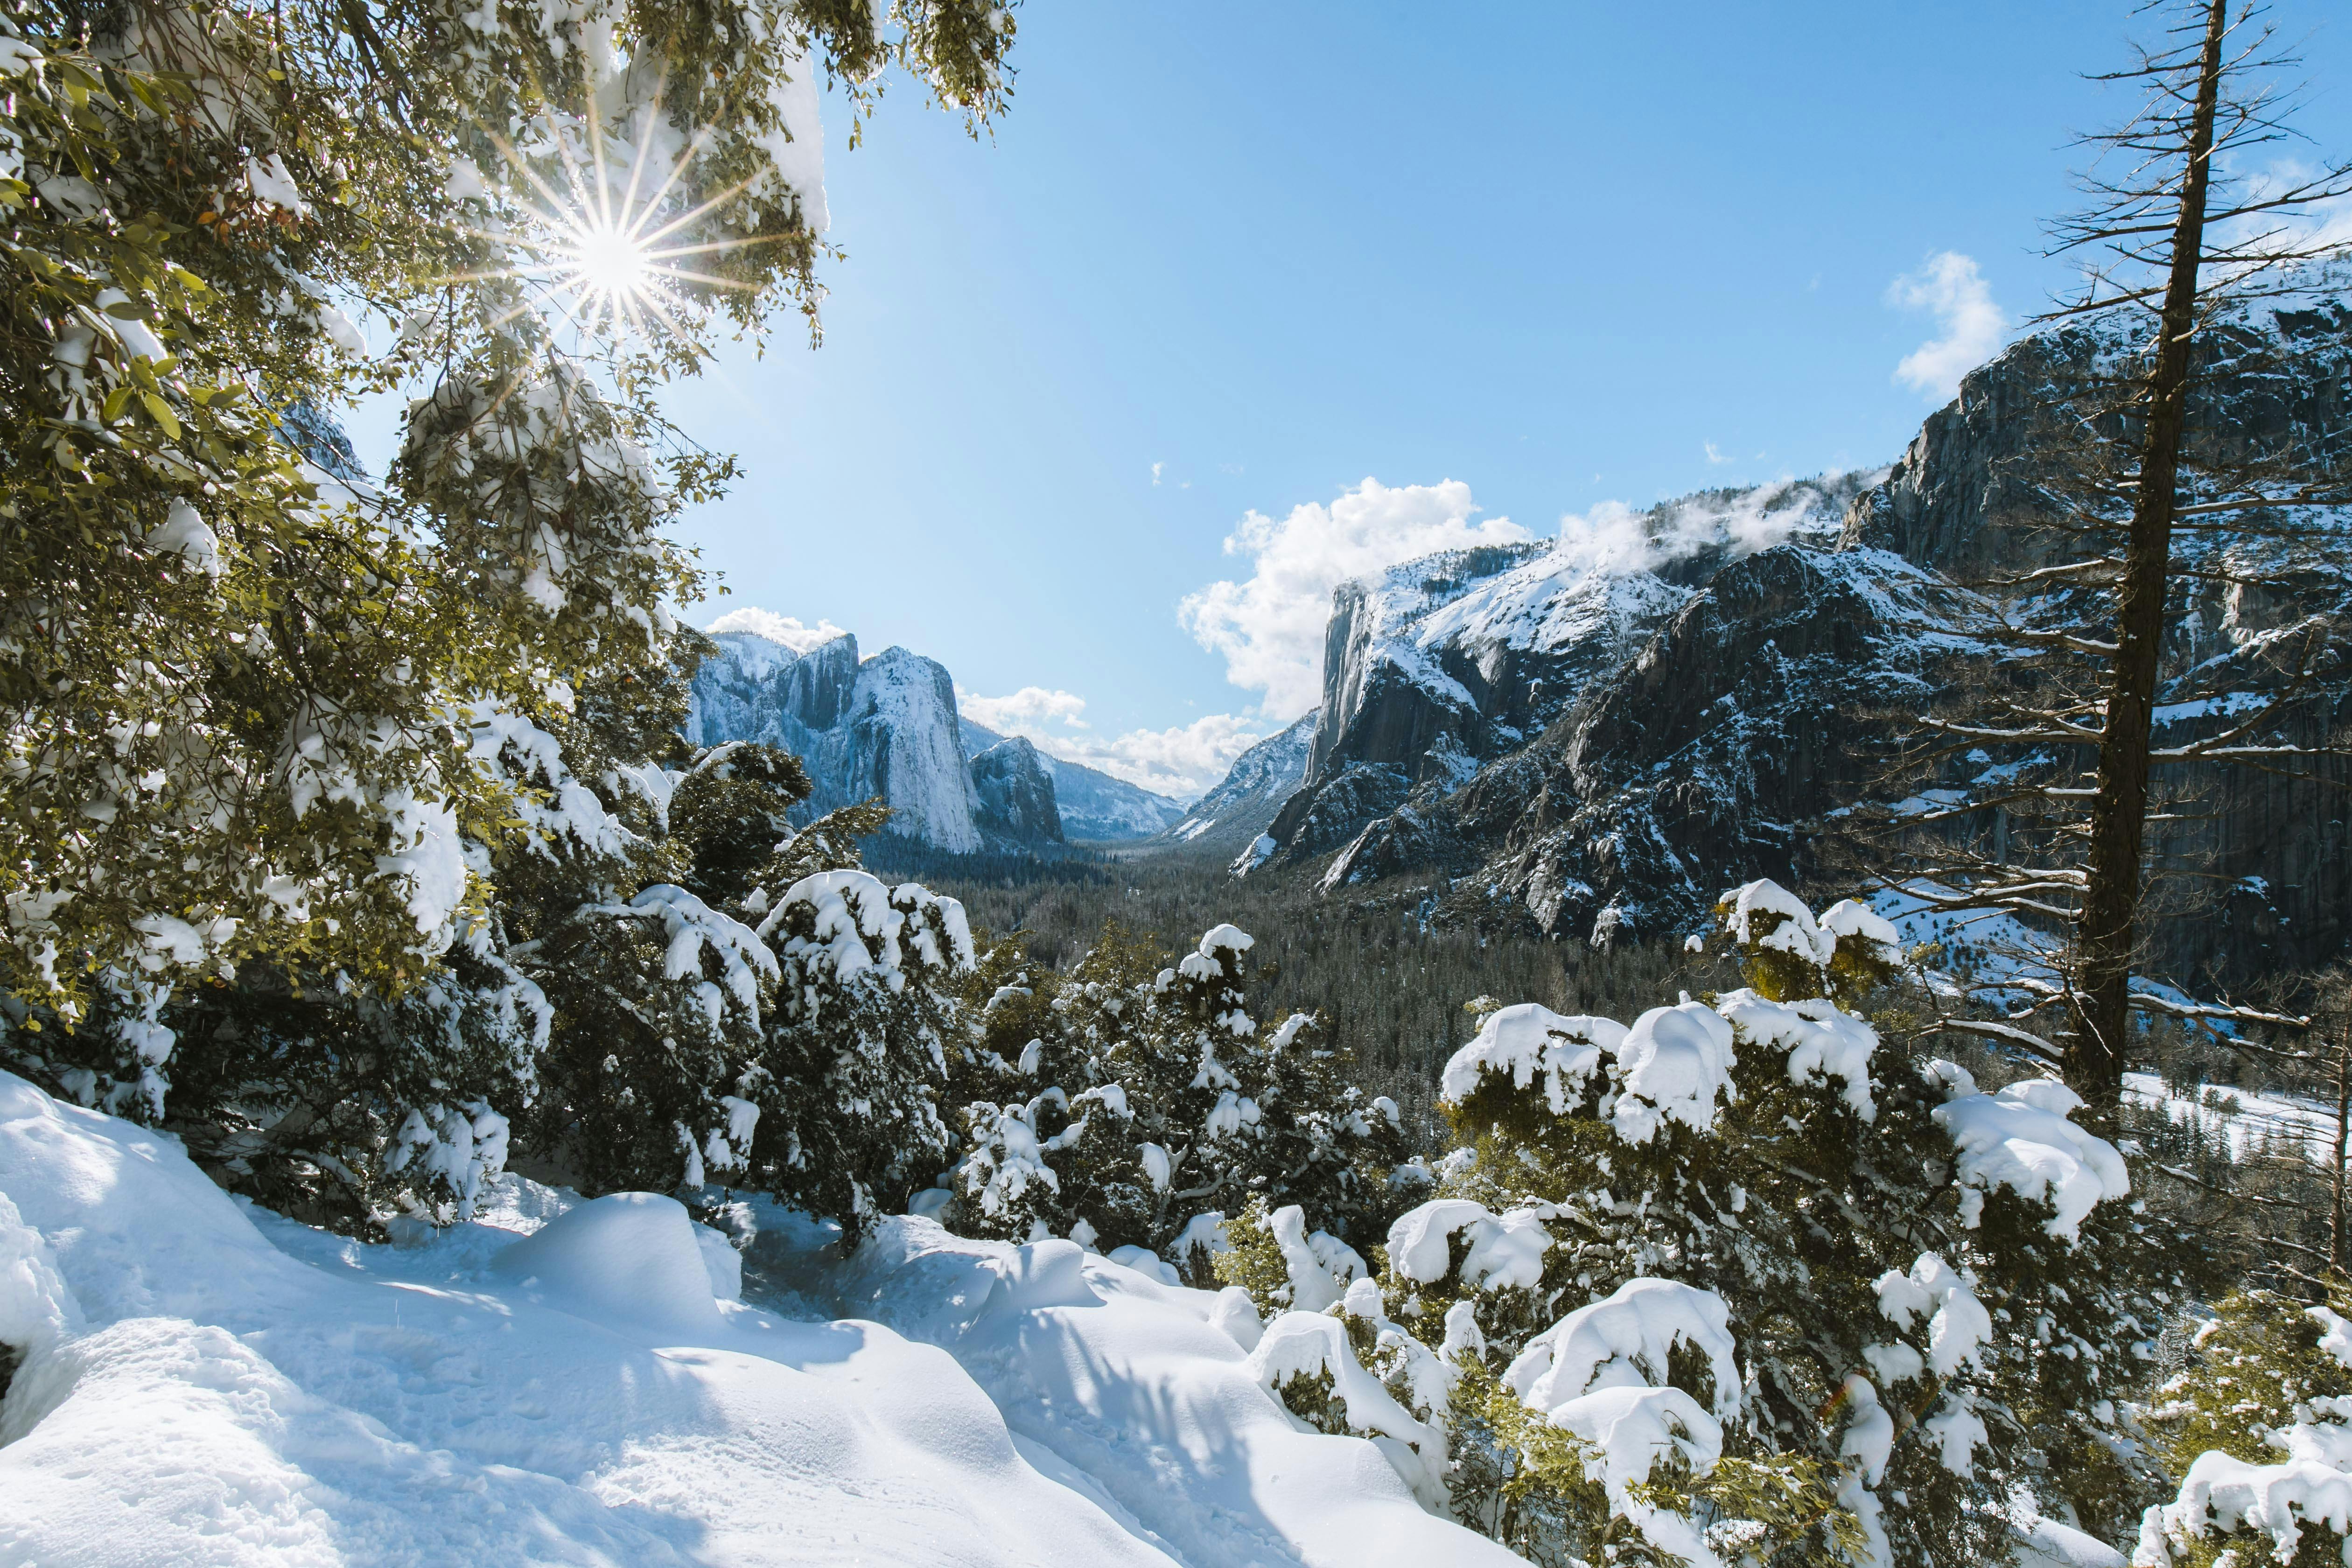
2258,1429
1138,1103
1742,1282
256,713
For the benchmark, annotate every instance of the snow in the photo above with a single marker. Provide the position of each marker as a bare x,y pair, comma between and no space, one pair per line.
1624,1341
1822,1040
1597,1372
1675,1063
1527,1040
631,1257
1795,932
1957,1324
206,1382
2241,1120
2020,1138
2278,1500
1504,1251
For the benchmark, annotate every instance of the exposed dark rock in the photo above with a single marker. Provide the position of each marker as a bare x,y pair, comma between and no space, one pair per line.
1016,794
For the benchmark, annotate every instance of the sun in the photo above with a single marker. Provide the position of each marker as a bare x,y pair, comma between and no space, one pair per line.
611,261
603,249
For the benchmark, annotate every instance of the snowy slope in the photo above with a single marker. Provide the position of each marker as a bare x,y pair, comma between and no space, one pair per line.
204,1382
1233,815
1094,805
1436,667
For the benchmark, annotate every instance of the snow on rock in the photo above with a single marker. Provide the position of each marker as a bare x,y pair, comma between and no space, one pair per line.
2020,1137
1504,1251
1822,1041
631,1256
1675,1063
1528,1041
1236,1314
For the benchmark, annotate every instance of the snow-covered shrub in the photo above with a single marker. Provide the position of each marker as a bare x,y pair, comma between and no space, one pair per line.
847,1083
755,1012
2259,1430
1934,1296
1135,1101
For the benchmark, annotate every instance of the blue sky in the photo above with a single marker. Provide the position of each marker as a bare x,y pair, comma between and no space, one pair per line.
1226,258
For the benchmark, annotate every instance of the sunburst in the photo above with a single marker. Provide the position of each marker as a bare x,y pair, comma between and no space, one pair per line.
605,260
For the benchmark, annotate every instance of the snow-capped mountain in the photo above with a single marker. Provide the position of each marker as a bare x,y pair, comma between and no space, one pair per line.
883,726
1232,817
1094,807
1437,667
887,726
1604,740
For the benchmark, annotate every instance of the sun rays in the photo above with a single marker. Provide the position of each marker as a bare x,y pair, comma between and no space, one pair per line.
602,253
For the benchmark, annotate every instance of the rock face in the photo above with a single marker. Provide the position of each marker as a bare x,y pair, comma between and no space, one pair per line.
1606,741
887,726
884,726
1016,794
1440,666
1095,807
1232,817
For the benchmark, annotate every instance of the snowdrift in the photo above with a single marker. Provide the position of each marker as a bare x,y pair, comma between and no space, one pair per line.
204,1382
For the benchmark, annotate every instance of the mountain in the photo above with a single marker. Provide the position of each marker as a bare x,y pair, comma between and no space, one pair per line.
887,726
1095,807
1600,740
1016,794
1232,817
882,726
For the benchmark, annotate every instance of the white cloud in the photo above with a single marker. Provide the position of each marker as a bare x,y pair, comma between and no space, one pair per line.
779,628
1155,471
1971,325
1026,712
1713,456
1183,761
1269,626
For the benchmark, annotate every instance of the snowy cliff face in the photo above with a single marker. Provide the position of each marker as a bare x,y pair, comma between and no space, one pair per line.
1016,794
1437,667
884,726
1094,807
1232,817
898,740
1703,703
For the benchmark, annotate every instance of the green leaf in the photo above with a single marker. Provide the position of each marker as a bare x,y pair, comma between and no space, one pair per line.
161,413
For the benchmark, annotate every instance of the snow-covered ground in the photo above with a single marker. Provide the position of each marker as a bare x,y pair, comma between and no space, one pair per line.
2286,1124
204,1382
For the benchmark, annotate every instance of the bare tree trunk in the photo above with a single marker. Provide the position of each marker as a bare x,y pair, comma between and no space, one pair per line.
2109,924
2336,1241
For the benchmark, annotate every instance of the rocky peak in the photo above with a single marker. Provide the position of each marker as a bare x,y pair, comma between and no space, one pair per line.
1016,794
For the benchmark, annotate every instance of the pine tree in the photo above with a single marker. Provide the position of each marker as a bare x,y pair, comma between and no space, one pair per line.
248,702
1137,1103
1932,1295
2258,1426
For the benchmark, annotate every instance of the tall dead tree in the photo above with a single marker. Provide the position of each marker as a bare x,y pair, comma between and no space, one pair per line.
2154,510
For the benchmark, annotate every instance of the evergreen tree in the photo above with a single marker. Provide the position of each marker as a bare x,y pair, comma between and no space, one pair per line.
1853,1301
2258,1426
1136,1103
256,712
